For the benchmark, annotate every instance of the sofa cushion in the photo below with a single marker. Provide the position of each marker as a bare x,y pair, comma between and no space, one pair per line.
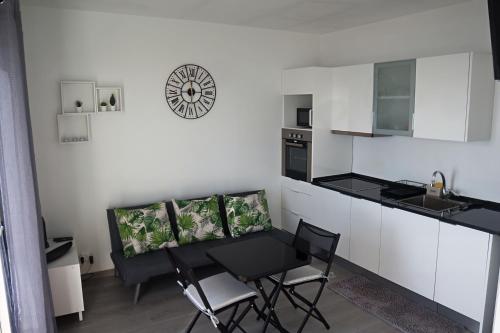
198,220
247,214
142,267
144,229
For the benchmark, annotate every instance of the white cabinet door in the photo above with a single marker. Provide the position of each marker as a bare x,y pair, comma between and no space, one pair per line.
408,250
66,287
300,81
290,221
296,197
364,246
462,269
332,212
352,98
441,97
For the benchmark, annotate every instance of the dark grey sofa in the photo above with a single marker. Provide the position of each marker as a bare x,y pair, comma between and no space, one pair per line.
139,269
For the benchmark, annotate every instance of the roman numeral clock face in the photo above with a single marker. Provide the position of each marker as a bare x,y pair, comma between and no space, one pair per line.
190,91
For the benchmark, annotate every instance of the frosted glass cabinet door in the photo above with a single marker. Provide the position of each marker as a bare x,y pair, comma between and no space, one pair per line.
394,98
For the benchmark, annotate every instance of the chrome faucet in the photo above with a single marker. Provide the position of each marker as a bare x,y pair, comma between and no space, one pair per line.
444,191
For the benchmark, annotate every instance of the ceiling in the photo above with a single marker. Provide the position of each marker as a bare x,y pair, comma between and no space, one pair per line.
307,16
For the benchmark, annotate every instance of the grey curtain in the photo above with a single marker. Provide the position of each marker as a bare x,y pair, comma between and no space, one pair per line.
28,284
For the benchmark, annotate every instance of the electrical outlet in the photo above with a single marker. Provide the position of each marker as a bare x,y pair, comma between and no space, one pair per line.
86,258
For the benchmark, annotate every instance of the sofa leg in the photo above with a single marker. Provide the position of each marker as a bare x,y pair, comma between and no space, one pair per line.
137,293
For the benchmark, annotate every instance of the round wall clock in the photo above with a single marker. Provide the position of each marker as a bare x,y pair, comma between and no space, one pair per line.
190,91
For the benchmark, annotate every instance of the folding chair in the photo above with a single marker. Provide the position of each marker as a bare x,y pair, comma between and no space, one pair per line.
213,295
322,245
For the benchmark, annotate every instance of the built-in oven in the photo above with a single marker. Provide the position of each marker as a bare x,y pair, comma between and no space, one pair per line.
296,154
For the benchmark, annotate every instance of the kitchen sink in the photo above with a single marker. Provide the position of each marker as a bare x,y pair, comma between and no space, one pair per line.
432,203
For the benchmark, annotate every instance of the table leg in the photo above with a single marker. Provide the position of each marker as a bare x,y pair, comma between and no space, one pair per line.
80,316
271,317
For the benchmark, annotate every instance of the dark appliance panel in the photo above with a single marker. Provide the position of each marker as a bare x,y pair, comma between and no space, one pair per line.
296,154
304,117
494,10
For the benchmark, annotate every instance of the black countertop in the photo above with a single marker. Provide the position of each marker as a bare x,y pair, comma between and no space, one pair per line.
480,215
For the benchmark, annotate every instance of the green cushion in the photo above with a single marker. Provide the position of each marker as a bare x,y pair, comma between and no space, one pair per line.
247,214
144,230
198,220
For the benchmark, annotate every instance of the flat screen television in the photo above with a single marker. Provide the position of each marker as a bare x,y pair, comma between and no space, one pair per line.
494,10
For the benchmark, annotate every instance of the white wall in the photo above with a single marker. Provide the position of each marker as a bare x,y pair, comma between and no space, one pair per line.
148,153
472,168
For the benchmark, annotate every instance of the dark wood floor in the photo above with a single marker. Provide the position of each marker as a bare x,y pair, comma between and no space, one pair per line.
163,308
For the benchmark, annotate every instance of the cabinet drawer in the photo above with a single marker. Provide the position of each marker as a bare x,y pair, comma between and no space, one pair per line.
297,199
290,221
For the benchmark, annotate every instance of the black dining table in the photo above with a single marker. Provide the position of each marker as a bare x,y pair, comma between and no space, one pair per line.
252,260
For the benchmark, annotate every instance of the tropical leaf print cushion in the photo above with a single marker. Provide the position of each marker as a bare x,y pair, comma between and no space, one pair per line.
247,213
198,220
144,230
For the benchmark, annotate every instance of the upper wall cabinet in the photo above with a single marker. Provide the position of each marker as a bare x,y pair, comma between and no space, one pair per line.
352,99
454,97
394,97
300,81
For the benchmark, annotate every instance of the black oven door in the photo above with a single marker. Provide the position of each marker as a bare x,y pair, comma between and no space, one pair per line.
296,159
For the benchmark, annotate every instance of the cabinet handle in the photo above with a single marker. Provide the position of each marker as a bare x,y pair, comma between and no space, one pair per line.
300,192
294,213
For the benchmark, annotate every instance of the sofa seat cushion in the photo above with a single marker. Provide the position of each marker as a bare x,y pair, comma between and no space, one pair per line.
198,220
145,266
195,254
144,229
142,267
247,214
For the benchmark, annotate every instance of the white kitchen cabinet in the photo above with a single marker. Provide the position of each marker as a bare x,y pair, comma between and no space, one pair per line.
290,220
332,212
296,197
462,266
296,203
299,81
364,245
352,99
454,97
408,250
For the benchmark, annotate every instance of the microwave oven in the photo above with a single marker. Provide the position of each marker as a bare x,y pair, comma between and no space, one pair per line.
304,117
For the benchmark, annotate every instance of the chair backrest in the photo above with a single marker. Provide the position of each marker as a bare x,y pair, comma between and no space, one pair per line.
186,276
316,242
